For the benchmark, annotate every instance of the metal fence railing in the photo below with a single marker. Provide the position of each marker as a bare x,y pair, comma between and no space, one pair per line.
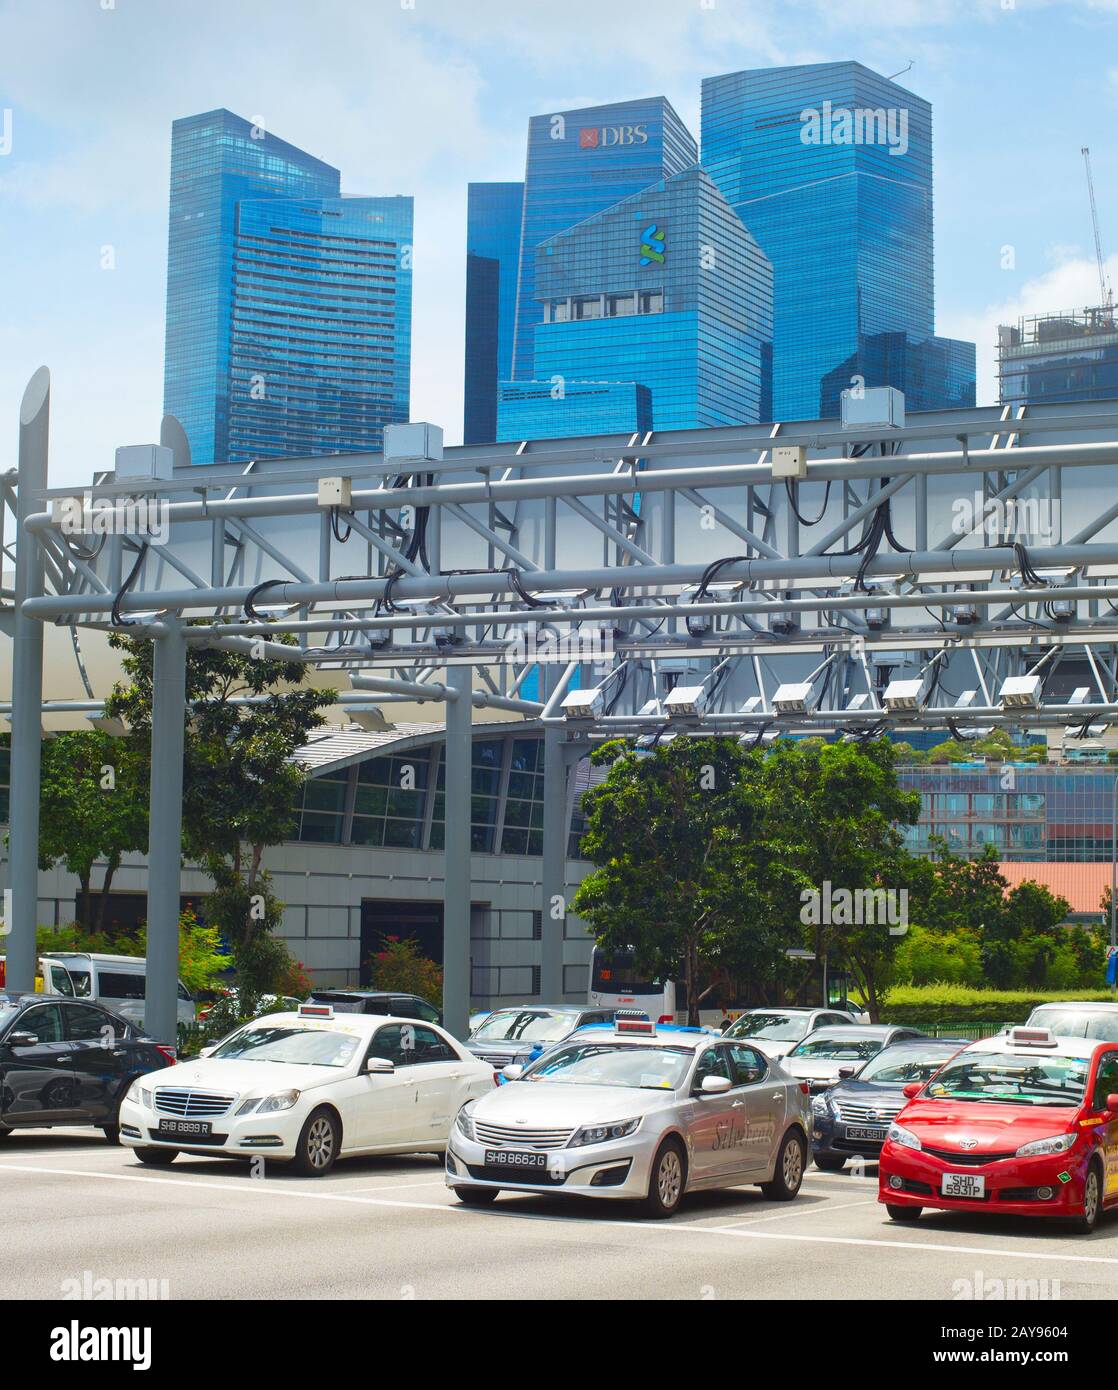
971,1031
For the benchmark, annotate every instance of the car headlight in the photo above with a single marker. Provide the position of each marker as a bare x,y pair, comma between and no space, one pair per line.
601,1134
1055,1144
821,1104
282,1100
138,1095
905,1137
463,1123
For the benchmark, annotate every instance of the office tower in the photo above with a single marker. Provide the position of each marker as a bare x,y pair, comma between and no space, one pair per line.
1059,357
288,306
666,289
579,163
493,215
829,165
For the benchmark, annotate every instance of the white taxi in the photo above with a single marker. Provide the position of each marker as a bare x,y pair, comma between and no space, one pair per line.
309,1088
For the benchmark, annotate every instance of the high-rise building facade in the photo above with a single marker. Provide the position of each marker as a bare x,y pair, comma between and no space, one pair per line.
579,163
1059,357
288,306
665,289
829,165
493,215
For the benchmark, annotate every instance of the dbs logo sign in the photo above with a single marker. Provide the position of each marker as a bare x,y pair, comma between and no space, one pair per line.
603,137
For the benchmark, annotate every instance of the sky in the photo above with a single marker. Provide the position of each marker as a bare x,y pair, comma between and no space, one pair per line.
422,96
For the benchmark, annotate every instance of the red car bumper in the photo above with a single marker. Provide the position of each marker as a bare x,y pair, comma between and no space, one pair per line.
1014,1186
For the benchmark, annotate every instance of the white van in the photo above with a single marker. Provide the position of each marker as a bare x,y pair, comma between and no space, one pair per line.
116,982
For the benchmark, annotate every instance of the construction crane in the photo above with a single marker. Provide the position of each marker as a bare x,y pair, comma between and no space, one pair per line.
1107,292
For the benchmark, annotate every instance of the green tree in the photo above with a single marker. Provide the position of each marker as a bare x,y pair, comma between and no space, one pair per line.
398,966
93,806
241,790
686,873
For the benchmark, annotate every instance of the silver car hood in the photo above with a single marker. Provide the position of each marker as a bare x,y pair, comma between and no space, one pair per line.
811,1068
559,1104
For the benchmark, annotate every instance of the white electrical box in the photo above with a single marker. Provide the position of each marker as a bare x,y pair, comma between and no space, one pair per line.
789,461
413,443
335,492
142,462
879,407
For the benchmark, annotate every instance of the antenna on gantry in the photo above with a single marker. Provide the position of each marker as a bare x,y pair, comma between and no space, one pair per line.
1104,286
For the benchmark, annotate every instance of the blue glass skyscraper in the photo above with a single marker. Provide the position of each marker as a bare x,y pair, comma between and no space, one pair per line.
666,289
830,167
288,307
493,214
579,163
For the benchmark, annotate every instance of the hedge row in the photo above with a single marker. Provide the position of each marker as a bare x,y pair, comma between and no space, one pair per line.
946,1004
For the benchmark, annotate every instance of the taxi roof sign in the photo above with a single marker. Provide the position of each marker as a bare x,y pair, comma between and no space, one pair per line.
316,1011
1032,1037
644,1026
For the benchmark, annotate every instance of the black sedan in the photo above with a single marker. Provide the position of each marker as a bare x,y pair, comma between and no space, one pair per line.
852,1118
68,1062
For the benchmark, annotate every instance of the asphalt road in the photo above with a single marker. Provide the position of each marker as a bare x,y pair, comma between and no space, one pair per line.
74,1208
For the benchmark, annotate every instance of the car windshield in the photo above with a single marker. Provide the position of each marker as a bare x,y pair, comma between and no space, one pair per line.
899,1066
527,1025
1011,1080
1077,1023
827,1047
614,1064
310,1047
774,1027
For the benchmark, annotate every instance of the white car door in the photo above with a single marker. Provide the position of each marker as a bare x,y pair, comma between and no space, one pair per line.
382,1107
437,1069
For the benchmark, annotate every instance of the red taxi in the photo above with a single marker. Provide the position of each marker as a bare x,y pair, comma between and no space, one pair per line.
1024,1123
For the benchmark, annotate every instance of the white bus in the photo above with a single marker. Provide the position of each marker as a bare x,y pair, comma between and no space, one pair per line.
614,984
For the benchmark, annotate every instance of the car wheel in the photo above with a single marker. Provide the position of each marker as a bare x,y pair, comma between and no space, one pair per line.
830,1163
159,1158
667,1180
1092,1201
477,1196
317,1147
899,1213
789,1173
111,1133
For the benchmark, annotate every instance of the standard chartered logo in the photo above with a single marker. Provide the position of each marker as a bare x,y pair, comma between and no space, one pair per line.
653,245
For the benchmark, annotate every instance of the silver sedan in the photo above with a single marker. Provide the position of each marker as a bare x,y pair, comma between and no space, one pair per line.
636,1113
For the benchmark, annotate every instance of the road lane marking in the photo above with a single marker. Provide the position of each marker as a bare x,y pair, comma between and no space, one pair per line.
803,1211
506,1213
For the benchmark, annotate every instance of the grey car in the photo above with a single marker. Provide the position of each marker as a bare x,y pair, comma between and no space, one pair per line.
629,1113
776,1031
1077,1018
521,1033
831,1054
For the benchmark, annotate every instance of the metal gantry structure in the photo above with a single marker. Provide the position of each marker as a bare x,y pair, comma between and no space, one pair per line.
958,573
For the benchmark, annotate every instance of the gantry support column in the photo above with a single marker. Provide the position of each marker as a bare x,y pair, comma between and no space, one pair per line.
458,757
168,727
27,690
554,870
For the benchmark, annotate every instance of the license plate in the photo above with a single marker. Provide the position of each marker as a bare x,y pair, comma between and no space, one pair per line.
962,1185
177,1129
864,1132
514,1158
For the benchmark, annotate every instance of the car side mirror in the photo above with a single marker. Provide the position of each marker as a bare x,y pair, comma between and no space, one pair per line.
715,1085
1112,1104
22,1039
512,1072
912,1089
846,1071
380,1066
